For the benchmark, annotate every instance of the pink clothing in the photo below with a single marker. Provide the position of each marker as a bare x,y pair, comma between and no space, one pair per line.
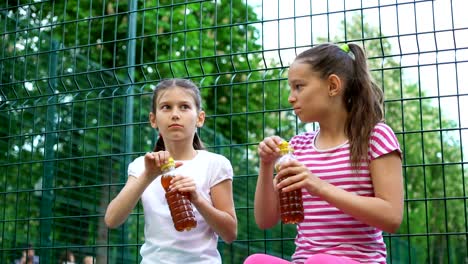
326,229
316,259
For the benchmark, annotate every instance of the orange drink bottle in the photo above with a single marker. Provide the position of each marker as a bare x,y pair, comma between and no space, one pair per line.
291,206
179,203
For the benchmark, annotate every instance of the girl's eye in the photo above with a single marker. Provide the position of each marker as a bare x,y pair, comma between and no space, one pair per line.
164,107
297,87
185,107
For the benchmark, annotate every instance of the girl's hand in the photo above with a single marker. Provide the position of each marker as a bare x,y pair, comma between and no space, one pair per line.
154,161
301,177
185,185
268,149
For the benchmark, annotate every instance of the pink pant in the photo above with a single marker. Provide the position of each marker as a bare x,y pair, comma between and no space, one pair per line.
319,258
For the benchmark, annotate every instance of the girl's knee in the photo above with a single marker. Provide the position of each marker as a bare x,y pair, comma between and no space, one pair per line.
329,259
252,259
264,258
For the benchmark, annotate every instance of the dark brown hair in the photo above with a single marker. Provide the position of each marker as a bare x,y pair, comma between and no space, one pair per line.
191,88
362,96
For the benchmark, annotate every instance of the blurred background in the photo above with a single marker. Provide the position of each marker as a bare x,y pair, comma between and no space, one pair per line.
76,78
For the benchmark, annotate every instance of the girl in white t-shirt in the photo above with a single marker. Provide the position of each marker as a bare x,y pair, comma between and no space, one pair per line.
176,113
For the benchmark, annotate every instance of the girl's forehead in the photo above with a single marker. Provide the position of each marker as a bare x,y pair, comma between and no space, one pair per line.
301,70
299,67
175,94
298,70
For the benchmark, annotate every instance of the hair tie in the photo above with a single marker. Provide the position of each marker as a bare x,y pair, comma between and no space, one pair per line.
345,48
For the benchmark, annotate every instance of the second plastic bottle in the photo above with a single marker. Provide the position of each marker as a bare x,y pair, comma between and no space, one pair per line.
179,203
291,206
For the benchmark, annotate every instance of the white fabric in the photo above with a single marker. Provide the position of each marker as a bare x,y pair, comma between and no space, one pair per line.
163,244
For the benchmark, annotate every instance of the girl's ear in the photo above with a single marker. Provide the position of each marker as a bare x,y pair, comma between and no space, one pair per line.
152,119
334,85
201,118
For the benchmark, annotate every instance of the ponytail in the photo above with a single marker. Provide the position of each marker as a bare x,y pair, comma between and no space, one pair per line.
159,144
364,102
197,143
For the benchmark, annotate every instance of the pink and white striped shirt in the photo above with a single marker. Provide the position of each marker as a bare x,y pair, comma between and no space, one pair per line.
325,228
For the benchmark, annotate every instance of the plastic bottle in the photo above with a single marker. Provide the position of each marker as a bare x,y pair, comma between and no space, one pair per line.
179,203
291,206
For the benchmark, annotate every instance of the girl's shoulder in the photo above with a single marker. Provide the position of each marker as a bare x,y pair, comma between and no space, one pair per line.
213,157
137,166
383,141
219,166
383,130
383,127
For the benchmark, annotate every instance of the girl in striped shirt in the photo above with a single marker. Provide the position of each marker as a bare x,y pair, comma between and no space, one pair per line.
349,170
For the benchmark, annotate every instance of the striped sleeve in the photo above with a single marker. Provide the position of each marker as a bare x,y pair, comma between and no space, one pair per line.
382,141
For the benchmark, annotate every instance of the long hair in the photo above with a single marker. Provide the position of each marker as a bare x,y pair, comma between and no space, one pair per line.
193,90
362,96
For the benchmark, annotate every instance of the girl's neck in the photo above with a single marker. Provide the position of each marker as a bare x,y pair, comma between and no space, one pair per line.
182,152
331,135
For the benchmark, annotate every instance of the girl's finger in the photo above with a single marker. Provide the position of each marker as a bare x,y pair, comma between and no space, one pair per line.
290,187
156,158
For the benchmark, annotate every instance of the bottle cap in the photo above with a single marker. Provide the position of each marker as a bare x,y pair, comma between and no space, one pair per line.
169,164
284,147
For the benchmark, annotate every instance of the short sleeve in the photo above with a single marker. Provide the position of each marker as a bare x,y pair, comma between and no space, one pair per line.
382,141
136,167
222,170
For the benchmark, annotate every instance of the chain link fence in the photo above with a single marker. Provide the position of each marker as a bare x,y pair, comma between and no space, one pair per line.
76,78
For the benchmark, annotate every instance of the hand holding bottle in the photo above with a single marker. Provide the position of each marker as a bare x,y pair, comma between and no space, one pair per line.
298,176
268,149
184,184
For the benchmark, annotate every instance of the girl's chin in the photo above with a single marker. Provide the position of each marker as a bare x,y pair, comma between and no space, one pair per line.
178,137
304,119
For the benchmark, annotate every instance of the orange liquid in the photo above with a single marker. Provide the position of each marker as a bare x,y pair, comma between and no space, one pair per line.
180,207
291,206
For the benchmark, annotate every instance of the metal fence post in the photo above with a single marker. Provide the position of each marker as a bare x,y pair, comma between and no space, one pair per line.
49,160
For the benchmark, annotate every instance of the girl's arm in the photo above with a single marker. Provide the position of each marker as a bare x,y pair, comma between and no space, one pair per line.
122,205
384,211
266,204
221,216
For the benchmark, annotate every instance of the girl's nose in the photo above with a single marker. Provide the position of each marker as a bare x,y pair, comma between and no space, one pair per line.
175,114
291,98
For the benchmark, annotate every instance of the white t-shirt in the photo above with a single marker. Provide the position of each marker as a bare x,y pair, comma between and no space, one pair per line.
163,244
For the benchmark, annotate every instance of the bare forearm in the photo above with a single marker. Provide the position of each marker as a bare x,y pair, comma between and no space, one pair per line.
122,205
373,211
223,223
266,207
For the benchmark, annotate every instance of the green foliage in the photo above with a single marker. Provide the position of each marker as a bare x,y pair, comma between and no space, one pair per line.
435,208
81,49
66,85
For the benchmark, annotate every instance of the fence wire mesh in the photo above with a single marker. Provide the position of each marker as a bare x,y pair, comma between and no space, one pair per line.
76,78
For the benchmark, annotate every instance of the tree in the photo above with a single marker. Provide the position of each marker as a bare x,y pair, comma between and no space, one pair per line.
65,86
432,158
75,52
